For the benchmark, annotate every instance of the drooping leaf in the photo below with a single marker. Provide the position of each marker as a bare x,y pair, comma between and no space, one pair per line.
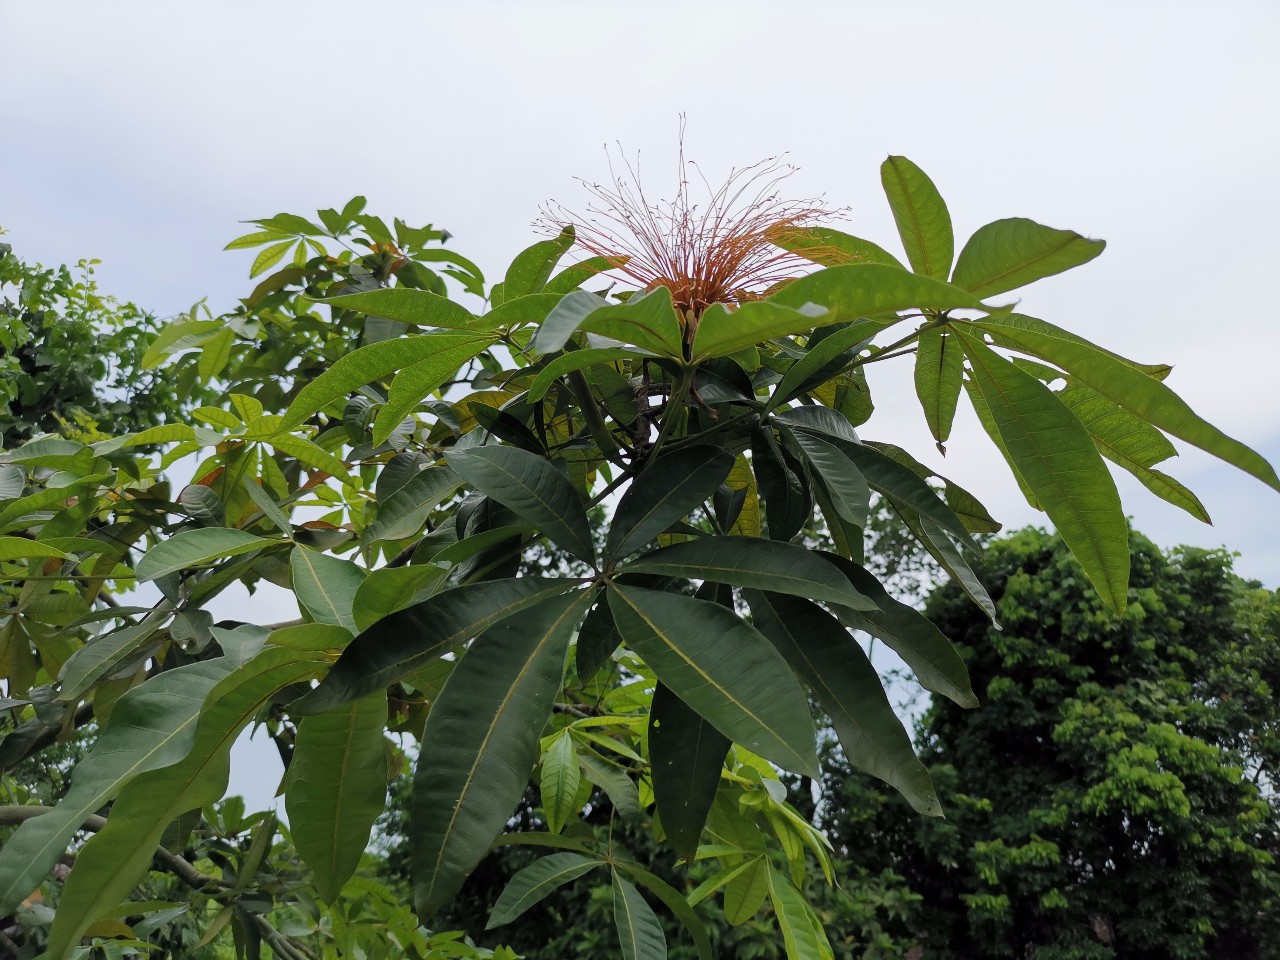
666,491
1057,459
532,884
336,789
845,485
781,482
534,489
674,901
151,726
596,641
103,655
561,775
721,667
686,754
409,639
824,654
753,562
921,215
194,548
203,504
639,931
326,586
481,741
745,894
1008,254
939,374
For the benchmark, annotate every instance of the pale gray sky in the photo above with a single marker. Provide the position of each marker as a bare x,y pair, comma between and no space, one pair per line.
141,133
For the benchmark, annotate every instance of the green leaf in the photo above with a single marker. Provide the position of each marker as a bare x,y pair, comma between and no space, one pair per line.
116,859
939,374
686,754
403,513
421,308
255,240
388,589
409,639
1008,254
639,931
534,489
910,634
922,218
570,278
20,548
193,548
12,482
575,360
1057,459
151,726
824,654
203,504
532,884
802,932
781,482
648,321
609,777
532,267
753,562
336,788
559,782
820,356
847,487
215,353
666,491
724,330
721,667
744,895
1136,392
481,741
871,290
269,257
674,901
416,382
378,361
831,248
326,586
104,655
596,642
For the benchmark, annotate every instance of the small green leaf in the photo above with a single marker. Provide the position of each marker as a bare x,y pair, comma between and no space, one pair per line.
686,754
193,548
921,215
801,375
639,931
534,489
666,491
721,667
269,257
572,277
559,782
532,267
336,788
939,374
532,884
256,239
1008,254
326,586
745,894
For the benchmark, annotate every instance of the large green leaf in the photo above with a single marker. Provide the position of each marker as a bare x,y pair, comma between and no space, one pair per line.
403,513
824,654
921,215
534,489
481,741
648,320
831,248
407,305
579,273
416,382
532,884
21,548
939,373
532,267
326,586
666,491
151,726
377,361
1008,254
724,330
846,486
116,859
558,784
409,639
1133,390
1057,459
753,562
193,548
721,667
388,589
336,788
802,932
639,931
597,639
745,894
104,655
782,483
872,289
910,634
686,755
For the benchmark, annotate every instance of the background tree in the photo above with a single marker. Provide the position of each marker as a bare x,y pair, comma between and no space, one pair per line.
1115,795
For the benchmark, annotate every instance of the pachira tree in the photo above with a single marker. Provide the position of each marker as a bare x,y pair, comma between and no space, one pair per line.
421,472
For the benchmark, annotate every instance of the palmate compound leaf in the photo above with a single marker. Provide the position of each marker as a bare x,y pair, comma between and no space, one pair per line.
753,562
535,882
666,491
411,638
686,755
481,741
826,657
921,215
721,667
534,489
151,726
116,859
1058,461
336,787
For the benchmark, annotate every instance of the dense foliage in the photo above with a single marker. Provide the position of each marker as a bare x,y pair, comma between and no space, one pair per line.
422,479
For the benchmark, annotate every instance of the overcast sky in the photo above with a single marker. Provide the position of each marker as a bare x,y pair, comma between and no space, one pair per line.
140,133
